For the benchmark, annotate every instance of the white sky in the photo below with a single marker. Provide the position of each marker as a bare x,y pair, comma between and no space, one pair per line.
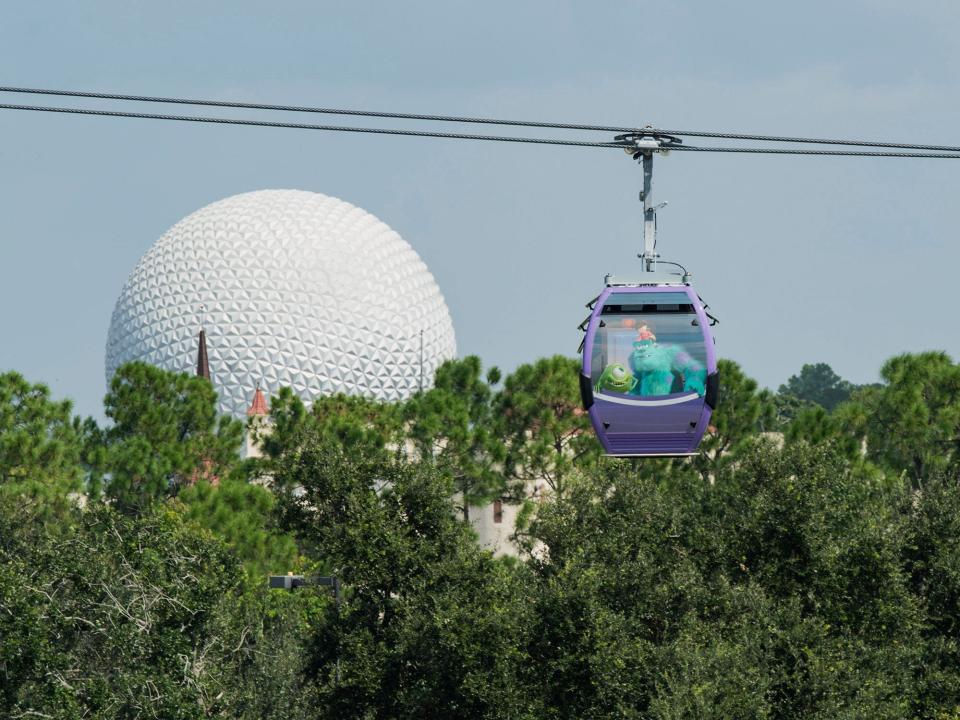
838,260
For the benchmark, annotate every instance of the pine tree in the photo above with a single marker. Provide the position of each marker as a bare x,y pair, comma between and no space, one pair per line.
41,448
547,432
165,434
453,423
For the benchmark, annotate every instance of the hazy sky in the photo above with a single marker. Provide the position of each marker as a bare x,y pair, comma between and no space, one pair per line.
840,260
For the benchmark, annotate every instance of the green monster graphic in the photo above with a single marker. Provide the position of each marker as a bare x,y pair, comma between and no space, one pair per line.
617,378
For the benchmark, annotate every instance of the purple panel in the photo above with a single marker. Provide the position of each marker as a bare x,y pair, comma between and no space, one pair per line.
678,418
649,443
661,430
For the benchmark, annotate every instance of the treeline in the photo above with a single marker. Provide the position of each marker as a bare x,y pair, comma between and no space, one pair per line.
805,564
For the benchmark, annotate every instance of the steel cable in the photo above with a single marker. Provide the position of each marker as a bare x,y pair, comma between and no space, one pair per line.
323,110
801,151
814,141
625,145
307,126
481,120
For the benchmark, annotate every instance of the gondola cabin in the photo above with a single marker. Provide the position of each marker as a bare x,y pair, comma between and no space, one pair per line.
649,374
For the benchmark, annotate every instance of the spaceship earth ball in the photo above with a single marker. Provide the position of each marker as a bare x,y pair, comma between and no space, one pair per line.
294,289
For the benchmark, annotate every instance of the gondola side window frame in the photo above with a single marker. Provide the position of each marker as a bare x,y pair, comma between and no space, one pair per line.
656,301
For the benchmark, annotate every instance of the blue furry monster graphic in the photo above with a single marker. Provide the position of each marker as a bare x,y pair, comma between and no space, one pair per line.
657,368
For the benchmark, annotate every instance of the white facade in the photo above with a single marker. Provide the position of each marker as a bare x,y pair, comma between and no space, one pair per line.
293,289
494,525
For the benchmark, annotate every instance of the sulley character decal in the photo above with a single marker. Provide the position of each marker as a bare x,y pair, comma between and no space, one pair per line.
657,367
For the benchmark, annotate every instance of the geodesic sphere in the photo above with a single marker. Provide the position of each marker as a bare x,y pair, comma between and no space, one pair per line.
293,288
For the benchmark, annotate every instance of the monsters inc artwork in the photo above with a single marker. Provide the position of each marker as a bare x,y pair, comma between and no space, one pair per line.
616,378
654,369
660,369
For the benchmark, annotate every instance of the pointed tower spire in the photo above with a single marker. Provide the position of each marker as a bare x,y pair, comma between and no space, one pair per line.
259,405
258,426
203,365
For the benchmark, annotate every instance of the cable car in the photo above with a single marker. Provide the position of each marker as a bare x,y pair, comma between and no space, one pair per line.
649,370
649,374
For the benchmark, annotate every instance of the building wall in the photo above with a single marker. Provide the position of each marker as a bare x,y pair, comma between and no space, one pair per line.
498,536
493,535
251,448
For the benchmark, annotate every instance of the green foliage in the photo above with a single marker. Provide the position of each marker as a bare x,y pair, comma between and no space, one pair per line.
777,591
816,426
810,527
743,411
787,408
810,574
430,624
932,554
139,617
818,385
267,635
545,429
41,448
165,433
359,423
106,637
912,422
240,514
454,423
288,416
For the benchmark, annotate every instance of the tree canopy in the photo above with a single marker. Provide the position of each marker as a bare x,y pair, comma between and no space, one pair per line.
455,424
805,565
818,384
165,433
41,447
546,432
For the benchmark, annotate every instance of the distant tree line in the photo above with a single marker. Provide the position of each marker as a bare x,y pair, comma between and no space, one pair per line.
804,564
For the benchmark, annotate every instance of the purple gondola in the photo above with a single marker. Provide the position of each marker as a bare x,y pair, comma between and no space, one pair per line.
649,375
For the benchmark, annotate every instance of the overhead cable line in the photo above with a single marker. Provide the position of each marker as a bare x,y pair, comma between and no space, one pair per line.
621,145
804,151
321,110
479,120
812,141
307,126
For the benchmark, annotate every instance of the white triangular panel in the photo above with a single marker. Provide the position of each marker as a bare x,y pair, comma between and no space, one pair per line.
297,289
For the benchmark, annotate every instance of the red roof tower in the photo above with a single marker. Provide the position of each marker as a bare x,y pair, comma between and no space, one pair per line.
259,405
